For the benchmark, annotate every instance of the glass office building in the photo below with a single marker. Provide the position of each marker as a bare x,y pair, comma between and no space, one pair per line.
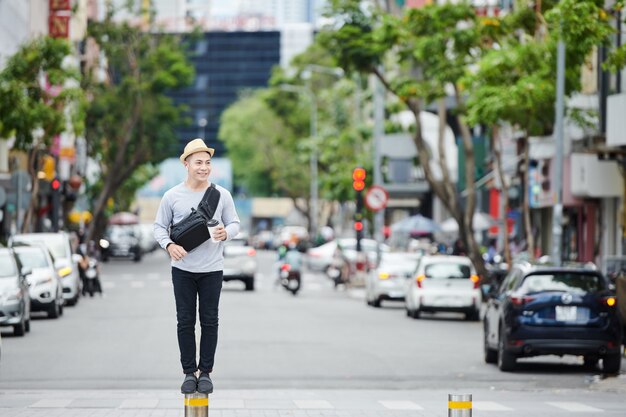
225,63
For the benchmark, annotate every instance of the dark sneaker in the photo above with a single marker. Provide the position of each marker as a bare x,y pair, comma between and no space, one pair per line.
205,385
190,384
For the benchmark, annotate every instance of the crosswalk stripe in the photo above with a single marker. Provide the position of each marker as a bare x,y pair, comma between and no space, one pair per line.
400,405
137,284
142,403
51,403
313,404
575,407
489,406
153,276
108,285
165,284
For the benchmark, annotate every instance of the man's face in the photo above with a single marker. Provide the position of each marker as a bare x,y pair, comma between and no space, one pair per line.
198,166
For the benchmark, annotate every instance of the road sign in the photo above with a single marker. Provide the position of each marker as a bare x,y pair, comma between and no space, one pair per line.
376,198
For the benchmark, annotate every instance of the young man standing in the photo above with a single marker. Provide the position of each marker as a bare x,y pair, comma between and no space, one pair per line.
196,275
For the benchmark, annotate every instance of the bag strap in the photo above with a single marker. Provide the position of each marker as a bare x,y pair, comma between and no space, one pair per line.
209,201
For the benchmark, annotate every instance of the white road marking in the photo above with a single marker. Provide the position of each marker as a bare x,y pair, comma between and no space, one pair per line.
489,406
137,284
51,403
313,404
142,403
108,285
575,407
400,405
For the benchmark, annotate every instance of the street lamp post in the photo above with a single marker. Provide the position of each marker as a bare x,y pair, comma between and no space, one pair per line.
306,74
202,128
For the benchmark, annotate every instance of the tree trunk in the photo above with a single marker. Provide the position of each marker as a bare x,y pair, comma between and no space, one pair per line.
27,222
504,195
530,240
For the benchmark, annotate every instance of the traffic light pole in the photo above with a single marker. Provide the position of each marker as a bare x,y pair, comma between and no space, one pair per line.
358,218
557,211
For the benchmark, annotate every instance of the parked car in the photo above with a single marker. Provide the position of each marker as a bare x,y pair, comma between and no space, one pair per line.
45,287
66,265
320,258
240,261
388,280
443,283
544,310
14,297
147,242
121,241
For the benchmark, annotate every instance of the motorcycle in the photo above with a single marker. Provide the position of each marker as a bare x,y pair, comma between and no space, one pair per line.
290,278
92,278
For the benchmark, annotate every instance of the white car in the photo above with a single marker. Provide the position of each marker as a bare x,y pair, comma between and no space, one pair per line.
59,246
443,283
45,288
240,261
388,280
320,258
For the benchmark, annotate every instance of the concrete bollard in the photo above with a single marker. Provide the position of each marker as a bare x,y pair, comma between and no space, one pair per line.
459,405
196,405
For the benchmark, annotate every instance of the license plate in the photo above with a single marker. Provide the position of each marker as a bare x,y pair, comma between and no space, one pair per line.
571,313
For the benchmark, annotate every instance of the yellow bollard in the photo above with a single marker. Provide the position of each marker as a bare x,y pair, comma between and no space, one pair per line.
459,405
196,405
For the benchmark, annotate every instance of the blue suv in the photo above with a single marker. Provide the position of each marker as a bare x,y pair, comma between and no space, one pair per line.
543,310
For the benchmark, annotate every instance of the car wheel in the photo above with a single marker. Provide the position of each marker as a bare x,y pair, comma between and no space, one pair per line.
473,315
20,328
491,355
250,284
415,313
590,361
53,311
506,360
27,325
612,363
376,302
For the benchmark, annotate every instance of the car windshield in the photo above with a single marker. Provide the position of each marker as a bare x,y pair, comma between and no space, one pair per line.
397,263
32,258
447,270
121,232
573,282
57,245
7,266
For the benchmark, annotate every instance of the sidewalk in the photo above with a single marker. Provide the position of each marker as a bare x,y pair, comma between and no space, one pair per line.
309,403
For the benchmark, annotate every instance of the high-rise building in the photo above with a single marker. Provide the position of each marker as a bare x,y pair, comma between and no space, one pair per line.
225,63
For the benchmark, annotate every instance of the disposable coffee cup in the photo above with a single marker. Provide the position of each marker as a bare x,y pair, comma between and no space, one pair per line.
213,224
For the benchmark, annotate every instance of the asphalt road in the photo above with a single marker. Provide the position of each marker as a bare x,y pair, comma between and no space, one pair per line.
322,339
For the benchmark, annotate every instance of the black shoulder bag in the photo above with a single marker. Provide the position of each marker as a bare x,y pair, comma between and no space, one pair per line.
192,231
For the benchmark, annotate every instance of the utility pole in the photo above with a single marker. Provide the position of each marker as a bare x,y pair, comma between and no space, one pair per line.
557,211
379,131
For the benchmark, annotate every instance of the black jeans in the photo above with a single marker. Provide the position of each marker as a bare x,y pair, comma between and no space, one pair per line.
189,287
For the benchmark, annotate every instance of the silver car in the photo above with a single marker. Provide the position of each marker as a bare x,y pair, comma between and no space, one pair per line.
46,290
443,283
240,262
14,297
59,246
388,280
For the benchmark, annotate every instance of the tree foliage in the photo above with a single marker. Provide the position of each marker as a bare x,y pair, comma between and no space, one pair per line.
39,99
130,119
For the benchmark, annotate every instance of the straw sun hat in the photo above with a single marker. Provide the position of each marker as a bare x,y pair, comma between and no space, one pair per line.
196,145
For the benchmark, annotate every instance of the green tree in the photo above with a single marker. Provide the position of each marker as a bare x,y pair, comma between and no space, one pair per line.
130,119
516,82
37,93
425,52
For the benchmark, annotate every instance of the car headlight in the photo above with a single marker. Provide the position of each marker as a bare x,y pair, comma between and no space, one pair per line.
65,271
14,294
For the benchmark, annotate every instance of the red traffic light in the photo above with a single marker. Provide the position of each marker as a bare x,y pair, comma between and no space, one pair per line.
358,226
359,174
55,184
358,185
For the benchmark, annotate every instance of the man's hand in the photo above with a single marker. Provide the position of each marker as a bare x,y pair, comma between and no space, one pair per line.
219,233
176,252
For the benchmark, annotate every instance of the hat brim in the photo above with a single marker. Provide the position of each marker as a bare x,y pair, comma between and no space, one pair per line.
184,156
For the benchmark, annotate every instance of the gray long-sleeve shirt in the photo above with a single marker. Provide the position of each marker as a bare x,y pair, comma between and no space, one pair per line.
175,205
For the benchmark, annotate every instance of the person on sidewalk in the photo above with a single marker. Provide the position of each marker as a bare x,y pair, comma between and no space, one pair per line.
196,275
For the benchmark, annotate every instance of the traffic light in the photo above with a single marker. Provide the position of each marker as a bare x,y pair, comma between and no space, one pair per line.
358,226
55,203
55,184
358,179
